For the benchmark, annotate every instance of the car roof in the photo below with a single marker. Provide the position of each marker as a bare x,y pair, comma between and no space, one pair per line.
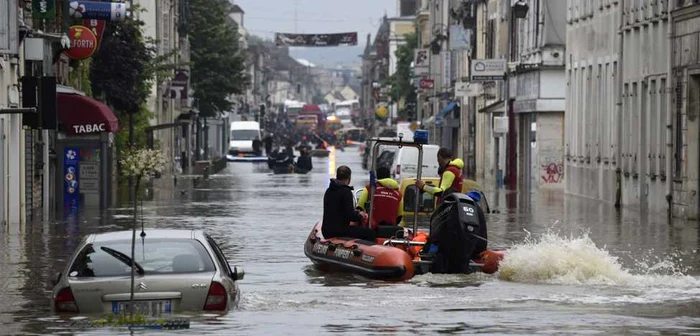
467,184
150,233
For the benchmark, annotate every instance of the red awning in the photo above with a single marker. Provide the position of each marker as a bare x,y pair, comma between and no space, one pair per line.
83,115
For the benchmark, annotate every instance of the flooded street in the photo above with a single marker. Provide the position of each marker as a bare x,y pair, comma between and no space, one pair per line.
573,266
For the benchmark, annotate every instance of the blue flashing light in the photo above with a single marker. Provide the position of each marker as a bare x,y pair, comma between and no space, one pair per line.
420,136
475,195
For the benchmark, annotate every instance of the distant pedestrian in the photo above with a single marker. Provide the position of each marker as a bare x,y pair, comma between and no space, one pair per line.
257,146
268,143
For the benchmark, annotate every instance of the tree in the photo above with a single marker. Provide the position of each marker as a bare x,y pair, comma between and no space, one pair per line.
218,64
401,86
122,71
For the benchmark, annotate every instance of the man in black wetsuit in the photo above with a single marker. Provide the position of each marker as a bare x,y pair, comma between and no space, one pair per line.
339,209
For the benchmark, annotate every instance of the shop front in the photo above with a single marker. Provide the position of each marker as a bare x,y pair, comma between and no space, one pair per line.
85,167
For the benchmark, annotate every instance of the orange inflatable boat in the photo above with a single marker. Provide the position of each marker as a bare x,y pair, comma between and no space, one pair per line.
366,258
455,244
396,255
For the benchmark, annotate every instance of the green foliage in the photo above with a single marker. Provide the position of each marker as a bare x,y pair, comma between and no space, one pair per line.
218,64
79,76
123,69
319,98
402,89
141,122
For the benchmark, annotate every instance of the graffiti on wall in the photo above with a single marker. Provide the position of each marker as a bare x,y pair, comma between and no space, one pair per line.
552,173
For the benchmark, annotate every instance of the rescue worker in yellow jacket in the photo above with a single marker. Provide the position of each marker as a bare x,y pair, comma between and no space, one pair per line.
450,176
387,199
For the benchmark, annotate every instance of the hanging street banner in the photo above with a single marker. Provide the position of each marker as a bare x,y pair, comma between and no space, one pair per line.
420,62
316,40
97,27
179,88
467,89
460,39
108,11
426,84
44,10
83,42
488,69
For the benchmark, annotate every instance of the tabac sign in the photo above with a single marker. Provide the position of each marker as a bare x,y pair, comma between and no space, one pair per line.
83,42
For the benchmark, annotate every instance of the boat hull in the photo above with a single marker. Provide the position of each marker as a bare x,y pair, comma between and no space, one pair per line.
320,153
233,158
357,256
397,260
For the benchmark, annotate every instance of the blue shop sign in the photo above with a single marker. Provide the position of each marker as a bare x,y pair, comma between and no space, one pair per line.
71,189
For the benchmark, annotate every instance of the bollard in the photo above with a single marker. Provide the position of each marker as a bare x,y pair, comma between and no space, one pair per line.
175,180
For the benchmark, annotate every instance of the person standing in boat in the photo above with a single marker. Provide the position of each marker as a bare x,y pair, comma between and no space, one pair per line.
450,176
339,209
387,198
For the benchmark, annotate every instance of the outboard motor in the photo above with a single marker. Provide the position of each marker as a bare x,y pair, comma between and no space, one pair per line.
457,234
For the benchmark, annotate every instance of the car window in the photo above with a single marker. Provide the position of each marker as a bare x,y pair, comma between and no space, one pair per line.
426,202
219,255
243,135
156,256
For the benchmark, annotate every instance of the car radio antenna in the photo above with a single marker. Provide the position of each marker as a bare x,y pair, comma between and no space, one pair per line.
143,233
143,236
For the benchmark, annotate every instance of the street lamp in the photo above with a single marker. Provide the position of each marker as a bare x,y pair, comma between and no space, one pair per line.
520,9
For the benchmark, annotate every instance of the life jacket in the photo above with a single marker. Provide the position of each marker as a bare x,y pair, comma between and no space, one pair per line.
387,198
455,167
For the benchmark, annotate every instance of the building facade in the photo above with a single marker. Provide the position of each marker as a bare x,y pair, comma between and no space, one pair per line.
11,149
618,102
682,162
491,33
399,27
538,81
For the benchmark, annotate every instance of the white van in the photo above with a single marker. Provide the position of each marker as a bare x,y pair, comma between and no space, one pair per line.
242,135
406,162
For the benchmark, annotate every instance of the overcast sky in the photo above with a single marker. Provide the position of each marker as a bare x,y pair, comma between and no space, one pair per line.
265,17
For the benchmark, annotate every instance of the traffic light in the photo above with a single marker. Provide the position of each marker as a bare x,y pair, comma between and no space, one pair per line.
262,111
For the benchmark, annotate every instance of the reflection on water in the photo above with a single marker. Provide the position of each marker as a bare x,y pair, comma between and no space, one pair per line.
572,264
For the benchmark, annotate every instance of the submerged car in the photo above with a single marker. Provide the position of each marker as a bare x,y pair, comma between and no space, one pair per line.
176,271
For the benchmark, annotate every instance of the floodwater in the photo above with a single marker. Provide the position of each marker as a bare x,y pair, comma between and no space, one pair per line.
573,266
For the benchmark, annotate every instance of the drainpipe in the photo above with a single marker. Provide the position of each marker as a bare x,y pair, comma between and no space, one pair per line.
670,79
511,144
620,84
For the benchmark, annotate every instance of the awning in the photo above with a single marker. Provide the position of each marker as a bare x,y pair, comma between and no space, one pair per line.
449,108
496,107
82,115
